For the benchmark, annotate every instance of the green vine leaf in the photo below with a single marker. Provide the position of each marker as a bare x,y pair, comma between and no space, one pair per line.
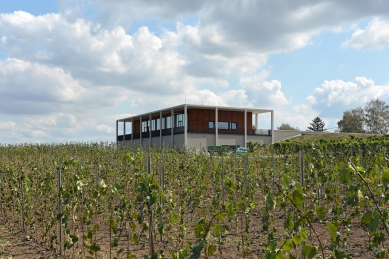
385,179
321,212
309,251
217,230
333,231
298,197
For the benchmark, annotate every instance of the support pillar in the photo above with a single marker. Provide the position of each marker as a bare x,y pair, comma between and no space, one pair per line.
186,126
160,128
172,127
245,128
272,127
256,123
140,137
117,132
216,126
150,129
124,132
132,132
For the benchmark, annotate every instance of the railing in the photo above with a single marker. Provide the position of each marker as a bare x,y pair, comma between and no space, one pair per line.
206,129
179,130
154,133
239,131
195,129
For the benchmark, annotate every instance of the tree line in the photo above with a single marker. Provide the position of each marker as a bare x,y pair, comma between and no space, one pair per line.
373,119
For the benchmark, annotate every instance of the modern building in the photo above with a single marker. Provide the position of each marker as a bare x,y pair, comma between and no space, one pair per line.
195,126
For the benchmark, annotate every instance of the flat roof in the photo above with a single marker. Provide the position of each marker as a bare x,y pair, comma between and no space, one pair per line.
198,106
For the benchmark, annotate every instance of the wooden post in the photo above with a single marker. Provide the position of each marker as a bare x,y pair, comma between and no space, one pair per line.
60,204
22,200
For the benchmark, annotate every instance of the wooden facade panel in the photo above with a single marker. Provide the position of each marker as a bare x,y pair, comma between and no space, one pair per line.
222,116
136,126
211,114
249,123
198,120
234,116
240,117
192,115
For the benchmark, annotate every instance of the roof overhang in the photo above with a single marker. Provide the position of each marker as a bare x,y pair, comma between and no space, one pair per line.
189,106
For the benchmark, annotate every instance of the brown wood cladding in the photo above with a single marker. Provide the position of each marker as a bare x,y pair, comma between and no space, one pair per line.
136,126
198,121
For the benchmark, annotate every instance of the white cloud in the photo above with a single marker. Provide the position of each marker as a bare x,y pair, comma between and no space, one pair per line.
105,128
89,53
301,108
38,133
335,96
263,93
67,72
234,26
375,35
7,125
311,99
32,88
350,93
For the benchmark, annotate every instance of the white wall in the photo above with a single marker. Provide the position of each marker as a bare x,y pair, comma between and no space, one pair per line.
225,139
280,135
179,140
260,139
200,140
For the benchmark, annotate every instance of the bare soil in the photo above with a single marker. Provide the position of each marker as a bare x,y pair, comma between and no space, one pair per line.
16,245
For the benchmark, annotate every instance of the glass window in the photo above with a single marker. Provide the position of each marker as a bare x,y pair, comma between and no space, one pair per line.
211,125
222,125
233,126
179,120
145,126
157,124
168,120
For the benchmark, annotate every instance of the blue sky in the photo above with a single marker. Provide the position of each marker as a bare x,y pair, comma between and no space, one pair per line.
70,68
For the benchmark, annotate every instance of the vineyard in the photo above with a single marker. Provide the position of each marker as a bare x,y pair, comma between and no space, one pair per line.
290,200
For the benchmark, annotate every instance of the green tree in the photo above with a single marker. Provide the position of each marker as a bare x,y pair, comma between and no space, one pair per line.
377,117
317,124
286,126
353,121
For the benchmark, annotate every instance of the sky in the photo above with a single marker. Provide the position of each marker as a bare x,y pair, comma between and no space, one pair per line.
70,68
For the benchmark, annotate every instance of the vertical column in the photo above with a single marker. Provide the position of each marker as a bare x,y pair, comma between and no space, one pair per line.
132,132
160,128
117,132
140,137
172,127
245,128
150,128
124,132
256,122
185,126
272,127
216,126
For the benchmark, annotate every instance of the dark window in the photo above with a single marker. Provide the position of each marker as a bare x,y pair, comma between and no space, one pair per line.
211,125
233,125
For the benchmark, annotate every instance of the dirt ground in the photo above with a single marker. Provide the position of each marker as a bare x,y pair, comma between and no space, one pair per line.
16,245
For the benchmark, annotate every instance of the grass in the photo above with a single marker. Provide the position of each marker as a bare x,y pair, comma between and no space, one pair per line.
329,136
